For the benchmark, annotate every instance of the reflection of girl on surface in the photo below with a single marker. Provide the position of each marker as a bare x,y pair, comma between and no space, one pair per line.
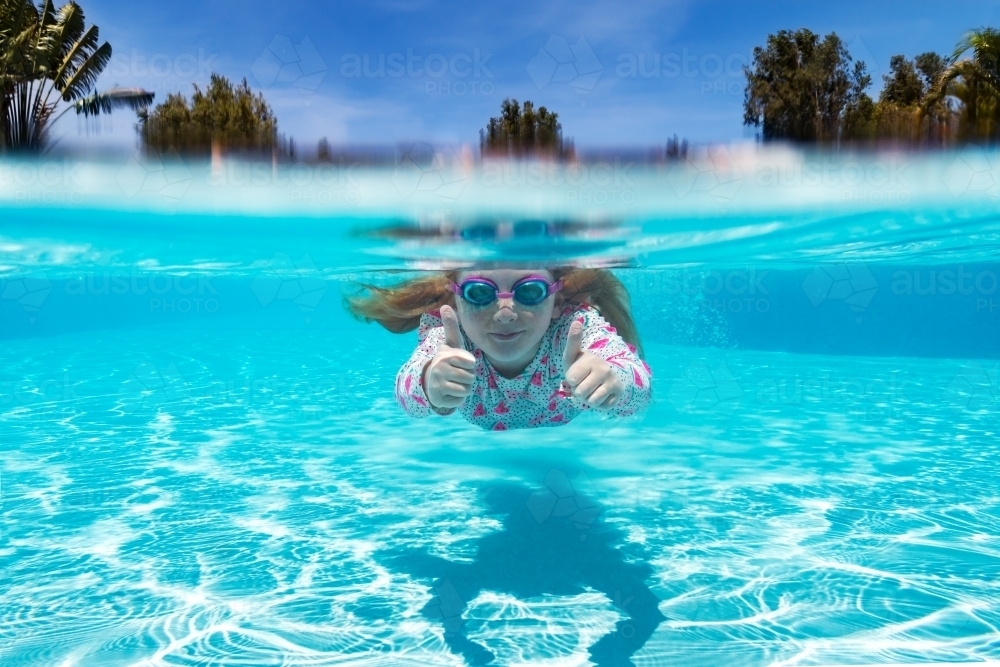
514,348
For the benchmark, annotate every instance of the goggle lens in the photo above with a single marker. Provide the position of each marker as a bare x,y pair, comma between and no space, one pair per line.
531,293
479,294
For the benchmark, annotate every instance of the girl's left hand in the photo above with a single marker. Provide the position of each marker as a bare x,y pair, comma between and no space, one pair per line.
590,378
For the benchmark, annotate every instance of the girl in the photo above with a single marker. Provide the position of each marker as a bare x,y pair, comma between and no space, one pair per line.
514,348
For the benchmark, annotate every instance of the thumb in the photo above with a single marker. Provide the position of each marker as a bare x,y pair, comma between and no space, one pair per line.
452,334
574,344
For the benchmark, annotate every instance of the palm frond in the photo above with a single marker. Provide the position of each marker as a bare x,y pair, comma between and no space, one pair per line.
81,81
75,56
70,25
115,98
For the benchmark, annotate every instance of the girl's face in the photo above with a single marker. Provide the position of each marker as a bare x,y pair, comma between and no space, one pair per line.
507,332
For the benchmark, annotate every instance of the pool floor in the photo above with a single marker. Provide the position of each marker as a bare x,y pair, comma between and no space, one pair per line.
173,496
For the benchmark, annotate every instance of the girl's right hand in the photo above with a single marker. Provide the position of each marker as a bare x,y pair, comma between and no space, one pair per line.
449,376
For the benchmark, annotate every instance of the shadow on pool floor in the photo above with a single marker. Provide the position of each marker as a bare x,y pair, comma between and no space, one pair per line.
552,543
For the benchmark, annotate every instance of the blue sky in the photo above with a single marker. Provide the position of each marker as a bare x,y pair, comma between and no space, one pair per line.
618,74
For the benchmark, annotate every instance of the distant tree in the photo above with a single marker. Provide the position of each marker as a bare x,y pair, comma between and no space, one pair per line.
227,116
897,116
903,85
800,87
931,66
676,149
521,131
975,83
48,57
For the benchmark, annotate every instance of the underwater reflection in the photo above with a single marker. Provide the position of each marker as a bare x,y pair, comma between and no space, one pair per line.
553,542
462,242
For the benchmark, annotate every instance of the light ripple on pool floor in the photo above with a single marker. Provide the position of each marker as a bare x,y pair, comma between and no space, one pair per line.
200,528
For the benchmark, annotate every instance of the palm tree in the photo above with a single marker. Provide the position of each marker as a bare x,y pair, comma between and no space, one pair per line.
975,82
49,56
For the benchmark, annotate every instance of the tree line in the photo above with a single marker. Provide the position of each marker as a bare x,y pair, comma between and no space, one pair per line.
802,88
799,87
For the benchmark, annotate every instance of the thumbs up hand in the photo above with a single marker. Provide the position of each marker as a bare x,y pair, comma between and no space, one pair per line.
590,379
449,376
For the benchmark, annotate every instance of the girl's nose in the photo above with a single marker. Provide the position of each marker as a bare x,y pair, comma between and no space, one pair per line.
505,313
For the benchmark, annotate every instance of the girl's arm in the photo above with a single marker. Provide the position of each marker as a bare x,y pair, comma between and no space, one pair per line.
602,340
409,381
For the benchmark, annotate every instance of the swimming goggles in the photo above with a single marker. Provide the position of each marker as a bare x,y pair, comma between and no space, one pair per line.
528,291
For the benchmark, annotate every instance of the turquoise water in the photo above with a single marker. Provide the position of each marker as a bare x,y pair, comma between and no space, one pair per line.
203,463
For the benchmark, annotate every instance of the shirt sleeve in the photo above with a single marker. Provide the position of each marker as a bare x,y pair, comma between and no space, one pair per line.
602,339
409,389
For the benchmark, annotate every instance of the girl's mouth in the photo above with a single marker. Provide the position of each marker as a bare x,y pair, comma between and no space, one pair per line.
508,336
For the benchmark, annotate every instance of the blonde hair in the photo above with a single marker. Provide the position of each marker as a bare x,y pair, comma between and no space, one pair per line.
398,307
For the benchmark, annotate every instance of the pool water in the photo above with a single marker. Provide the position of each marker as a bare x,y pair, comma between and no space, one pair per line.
203,461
